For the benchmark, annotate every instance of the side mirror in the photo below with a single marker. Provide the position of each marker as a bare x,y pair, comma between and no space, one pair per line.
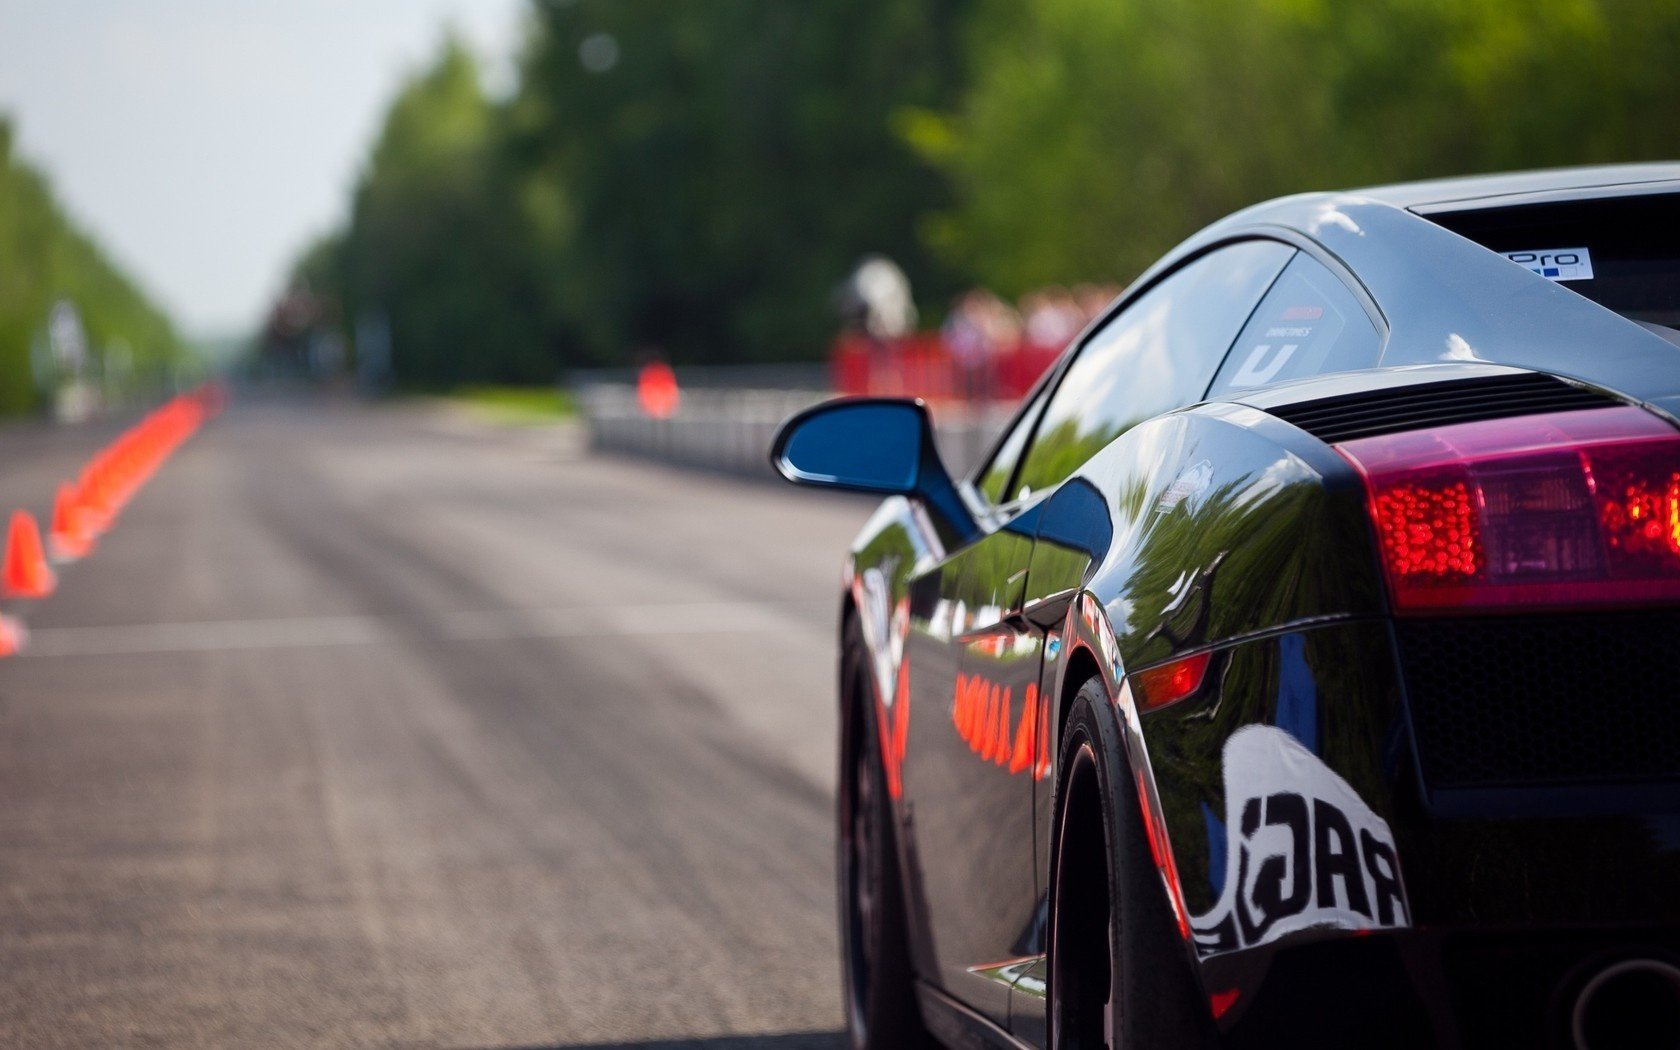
872,445
882,446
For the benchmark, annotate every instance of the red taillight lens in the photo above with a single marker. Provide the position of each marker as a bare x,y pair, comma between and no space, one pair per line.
1170,683
1568,509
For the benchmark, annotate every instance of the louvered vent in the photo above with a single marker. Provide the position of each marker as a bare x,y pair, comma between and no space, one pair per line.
1376,412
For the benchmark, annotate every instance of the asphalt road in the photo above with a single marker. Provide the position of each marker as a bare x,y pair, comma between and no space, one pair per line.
383,727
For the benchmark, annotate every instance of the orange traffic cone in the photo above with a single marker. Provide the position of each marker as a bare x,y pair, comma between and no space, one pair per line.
1000,735
1023,756
93,492
27,574
12,635
657,391
70,536
997,714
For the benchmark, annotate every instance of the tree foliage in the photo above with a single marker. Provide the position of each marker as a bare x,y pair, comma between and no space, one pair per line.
695,178
1094,134
45,259
436,245
733,163
690,179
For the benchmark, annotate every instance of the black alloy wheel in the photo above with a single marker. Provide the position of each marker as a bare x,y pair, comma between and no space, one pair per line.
1120,975
881,1009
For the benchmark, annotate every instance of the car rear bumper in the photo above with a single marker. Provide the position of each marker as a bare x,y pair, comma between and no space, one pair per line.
1425,987
1516,891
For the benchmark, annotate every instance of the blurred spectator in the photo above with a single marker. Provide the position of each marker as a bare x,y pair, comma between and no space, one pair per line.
1003,326
876,299
1093,299
1053,318
979,330
984,351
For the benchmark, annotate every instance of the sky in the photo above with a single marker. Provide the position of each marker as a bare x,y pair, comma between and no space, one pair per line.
205,143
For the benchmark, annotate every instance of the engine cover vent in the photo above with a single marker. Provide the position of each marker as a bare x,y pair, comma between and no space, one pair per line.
1370,413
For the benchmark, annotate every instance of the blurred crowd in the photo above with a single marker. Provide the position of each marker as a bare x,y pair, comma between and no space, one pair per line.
987,348
982,326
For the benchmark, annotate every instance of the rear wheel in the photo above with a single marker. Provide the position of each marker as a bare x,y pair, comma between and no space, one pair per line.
881,1008
1119,975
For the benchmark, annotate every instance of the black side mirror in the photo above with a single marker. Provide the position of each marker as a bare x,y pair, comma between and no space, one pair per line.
877,445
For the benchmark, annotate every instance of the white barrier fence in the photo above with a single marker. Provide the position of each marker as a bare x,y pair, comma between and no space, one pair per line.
731,429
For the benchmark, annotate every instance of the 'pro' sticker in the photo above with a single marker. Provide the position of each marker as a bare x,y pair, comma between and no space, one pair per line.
1559,264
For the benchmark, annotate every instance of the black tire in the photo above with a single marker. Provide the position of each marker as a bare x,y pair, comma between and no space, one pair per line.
1119,973
877,975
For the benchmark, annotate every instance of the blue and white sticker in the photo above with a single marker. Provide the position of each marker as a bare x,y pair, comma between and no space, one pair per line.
1559,264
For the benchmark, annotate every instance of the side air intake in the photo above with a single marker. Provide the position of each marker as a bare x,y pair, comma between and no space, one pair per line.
1369,414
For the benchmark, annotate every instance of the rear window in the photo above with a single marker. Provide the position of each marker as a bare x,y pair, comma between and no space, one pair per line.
1621,252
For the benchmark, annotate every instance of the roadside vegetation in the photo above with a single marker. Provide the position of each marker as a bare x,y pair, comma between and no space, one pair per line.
105,336
517,405
693,180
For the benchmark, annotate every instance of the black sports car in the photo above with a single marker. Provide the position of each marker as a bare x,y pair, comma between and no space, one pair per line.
1296,668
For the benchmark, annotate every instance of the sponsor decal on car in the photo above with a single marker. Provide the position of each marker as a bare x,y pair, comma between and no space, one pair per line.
1303,850
1558,264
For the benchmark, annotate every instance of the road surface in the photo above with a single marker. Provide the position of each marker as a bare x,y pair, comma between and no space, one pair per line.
384,727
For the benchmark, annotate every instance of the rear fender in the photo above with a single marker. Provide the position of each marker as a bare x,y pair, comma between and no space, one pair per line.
1087,640
1228,525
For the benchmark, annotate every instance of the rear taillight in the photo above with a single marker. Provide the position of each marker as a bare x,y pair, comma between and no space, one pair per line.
1170,683
1568,509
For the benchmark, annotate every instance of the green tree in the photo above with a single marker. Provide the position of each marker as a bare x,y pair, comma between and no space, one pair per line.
725,164
1096,133
44,259
436,243
697,177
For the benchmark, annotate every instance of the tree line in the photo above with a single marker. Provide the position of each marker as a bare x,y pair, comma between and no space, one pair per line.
68,315
694,179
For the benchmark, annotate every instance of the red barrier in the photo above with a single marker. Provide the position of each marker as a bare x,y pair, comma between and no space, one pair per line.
923,366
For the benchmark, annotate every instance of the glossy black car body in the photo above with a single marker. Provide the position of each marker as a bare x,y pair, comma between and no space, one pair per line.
1369,828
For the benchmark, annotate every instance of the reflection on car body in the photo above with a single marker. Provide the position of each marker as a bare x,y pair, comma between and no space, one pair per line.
1293,668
